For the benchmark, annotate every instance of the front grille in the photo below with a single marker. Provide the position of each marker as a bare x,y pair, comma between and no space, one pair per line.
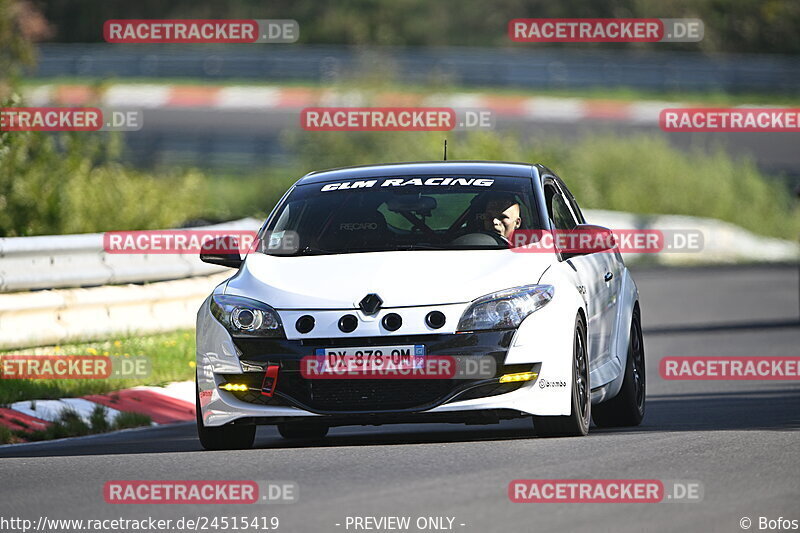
376,394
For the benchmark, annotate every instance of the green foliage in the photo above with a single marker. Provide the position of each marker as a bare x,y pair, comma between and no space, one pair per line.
71,424
641,174
7,436
71,183
229,197
68,424
646,175
98,419
81,189
16,50
127,419
769,26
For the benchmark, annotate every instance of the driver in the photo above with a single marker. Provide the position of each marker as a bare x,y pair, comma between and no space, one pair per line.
502,215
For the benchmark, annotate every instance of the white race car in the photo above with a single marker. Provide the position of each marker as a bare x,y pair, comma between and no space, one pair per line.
362,276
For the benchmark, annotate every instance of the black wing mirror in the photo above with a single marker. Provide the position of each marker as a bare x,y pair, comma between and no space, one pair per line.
223,251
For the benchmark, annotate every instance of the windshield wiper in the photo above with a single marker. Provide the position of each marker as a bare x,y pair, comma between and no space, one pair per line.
426,246
418,246
311,250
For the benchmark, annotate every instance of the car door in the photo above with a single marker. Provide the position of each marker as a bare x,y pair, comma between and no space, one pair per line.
588,273
612,271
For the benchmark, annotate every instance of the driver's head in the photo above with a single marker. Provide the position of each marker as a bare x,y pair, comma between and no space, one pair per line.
502,215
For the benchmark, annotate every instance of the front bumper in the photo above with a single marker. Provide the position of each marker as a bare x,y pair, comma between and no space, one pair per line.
222,359
336,396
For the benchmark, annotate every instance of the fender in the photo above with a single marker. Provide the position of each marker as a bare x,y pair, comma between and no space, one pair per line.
215,353
547,336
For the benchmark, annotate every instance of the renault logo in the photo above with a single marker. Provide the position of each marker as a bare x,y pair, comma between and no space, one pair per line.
370,304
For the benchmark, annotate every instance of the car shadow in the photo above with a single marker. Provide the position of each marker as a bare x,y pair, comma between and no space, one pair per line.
722,327
756,410
761,410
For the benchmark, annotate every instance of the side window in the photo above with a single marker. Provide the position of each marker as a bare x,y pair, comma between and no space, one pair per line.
568,196
288,214
577,210
557,209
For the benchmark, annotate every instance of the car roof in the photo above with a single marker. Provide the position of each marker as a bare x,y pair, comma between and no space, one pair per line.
421,168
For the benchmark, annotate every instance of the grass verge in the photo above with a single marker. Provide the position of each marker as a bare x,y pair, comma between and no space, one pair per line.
171,357
71,424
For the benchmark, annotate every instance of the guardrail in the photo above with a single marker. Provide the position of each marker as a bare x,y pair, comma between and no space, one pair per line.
51,262
529,67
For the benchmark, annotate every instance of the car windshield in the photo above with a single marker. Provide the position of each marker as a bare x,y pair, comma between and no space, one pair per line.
403,213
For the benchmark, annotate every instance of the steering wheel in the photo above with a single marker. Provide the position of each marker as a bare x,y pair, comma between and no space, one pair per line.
481,238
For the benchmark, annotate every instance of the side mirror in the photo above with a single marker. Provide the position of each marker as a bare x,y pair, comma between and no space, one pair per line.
223,251
585,239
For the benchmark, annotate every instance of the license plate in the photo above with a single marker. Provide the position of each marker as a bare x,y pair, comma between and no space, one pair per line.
371,359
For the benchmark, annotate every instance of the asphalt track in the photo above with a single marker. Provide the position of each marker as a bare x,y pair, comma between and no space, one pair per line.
738,438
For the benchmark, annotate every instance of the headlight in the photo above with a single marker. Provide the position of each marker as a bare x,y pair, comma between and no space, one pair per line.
246,317
505,309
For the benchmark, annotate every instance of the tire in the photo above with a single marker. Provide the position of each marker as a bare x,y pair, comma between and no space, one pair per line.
577,423
627,408
229,437
302,430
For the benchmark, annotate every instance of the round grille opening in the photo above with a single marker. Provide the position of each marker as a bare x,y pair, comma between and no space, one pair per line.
348,323
392,321
304,324
435,319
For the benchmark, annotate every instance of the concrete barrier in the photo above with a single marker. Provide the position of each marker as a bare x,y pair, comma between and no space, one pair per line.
51,262
61,315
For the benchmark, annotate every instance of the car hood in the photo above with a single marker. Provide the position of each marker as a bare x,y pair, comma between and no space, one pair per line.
404,278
